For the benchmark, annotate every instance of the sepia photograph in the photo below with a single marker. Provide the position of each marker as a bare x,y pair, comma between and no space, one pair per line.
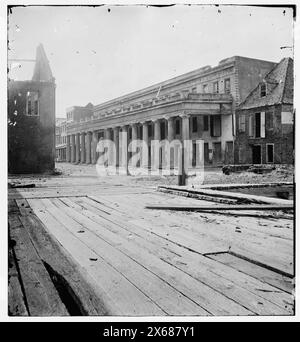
150,161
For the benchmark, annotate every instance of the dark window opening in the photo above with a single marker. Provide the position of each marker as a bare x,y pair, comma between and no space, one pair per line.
194,124
270,153
270,118
215,125
194,154
227,86
256,154
257,125
205,123
216,87
206,153
263,90
177,127
32,103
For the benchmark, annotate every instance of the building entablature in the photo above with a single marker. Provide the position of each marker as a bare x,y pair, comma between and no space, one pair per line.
191,104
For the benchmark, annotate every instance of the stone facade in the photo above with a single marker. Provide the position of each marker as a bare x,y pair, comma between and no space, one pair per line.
31,120
198,105
265,120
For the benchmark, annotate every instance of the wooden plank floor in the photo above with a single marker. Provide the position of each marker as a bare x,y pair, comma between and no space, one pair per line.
141,262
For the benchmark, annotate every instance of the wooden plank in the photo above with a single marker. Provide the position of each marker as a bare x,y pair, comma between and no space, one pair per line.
12,207
23,206
109,285
171,231
61,262
165,271
16,300
185,260
277,280
41,295
254,245
218,207
170,300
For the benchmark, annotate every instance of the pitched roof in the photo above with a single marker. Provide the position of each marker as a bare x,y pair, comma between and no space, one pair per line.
279,85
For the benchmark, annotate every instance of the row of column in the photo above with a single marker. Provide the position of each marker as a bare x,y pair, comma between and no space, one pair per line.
81,147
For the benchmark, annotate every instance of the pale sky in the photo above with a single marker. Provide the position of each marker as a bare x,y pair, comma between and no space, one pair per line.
97,54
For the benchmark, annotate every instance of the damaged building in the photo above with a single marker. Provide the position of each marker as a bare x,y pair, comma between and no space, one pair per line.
31,120
265,120
200,104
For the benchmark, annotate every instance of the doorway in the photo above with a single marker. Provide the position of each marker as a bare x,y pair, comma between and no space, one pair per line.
256,154
217,153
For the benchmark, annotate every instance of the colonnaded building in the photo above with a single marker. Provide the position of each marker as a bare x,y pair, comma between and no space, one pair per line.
200,104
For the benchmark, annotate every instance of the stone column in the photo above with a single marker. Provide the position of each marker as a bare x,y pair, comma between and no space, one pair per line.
68,149
111,152
124,149
134,137
83,152
73,149
156,144
88,147
171,136
93,147
145,157
184,160
77,142
116,142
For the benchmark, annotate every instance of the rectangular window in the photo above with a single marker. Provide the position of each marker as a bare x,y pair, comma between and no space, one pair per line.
194,124
216,87
227,86
205,88
257,125
32,105
263,90
270,120
287,118
177,127
205,123
242,123
194,154
215,125
206,153
270,153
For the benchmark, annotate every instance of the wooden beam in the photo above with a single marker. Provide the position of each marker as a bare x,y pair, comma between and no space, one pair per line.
219,207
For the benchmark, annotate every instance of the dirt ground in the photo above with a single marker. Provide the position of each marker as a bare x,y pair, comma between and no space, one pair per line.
211,176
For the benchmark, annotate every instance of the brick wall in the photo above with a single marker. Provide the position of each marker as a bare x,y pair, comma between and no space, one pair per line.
281,135
31,139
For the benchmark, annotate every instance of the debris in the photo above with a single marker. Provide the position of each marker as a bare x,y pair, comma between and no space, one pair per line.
14,186
93,259
283,194
220,207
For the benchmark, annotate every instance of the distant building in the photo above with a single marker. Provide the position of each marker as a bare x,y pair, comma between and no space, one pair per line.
61,139
31,120
265,119
79,114
200,104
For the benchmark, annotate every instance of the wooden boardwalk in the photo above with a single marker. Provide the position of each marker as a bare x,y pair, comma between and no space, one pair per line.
117,258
